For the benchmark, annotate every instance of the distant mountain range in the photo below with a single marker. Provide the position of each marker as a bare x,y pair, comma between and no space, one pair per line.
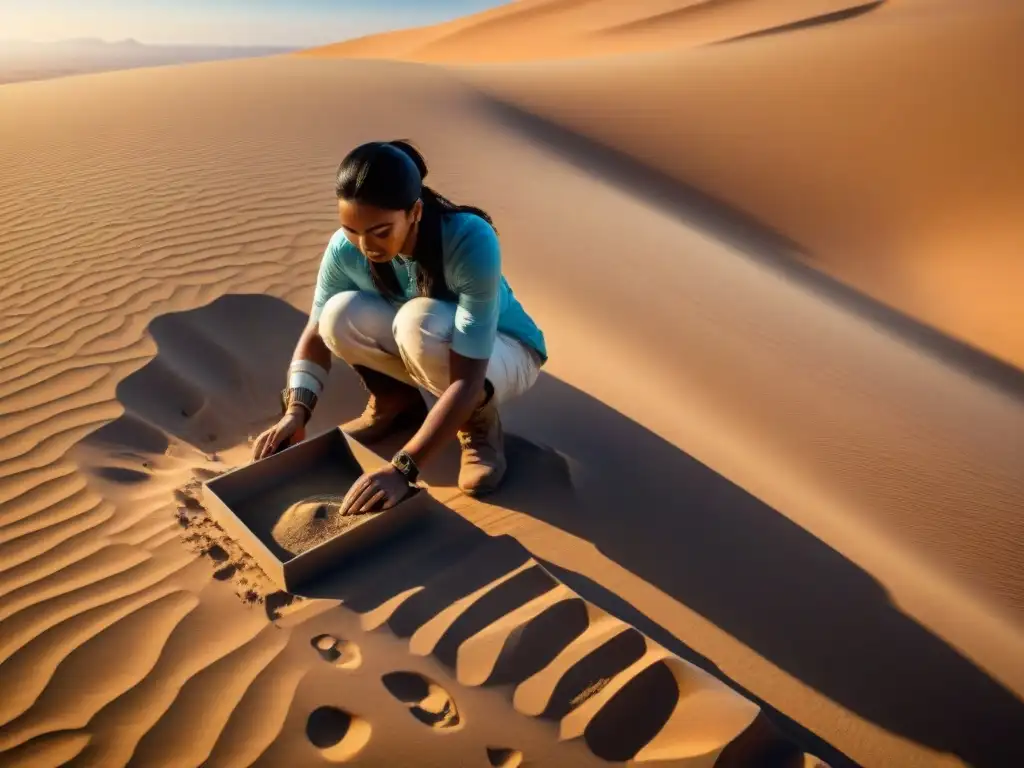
31,60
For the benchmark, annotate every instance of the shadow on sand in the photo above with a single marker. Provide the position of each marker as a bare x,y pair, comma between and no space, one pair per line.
644,503
753,573
758,241
814,21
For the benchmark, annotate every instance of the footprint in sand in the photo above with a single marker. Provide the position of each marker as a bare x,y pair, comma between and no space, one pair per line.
338,735
500,757
188,501
340,653
225,573
217,553
428,702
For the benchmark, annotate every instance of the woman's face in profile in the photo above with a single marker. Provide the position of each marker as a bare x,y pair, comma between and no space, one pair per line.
379,233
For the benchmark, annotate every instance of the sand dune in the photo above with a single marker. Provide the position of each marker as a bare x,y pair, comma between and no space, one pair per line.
801,537
532,30
862,159
880,141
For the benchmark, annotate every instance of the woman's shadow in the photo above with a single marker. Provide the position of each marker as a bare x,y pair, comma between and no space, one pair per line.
749,570
646,505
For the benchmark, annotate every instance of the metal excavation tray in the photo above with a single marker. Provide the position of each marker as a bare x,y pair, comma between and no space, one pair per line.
249,501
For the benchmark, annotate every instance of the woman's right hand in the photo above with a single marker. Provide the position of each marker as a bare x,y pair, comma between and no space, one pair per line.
288,431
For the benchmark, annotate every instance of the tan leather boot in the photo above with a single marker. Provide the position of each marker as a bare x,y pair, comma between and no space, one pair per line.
393,406
483,450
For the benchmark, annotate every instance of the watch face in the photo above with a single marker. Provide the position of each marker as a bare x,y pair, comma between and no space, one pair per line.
403,464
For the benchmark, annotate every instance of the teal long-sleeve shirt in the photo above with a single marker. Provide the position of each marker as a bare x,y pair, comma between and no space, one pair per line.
485,303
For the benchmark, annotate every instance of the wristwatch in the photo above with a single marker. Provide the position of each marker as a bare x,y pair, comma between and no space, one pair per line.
406,467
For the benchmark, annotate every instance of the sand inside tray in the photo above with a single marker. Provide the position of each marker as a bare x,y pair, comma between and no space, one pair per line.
310,522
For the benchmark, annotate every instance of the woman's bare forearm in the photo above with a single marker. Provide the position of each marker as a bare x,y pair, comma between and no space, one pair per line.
453,408
311,347
447,416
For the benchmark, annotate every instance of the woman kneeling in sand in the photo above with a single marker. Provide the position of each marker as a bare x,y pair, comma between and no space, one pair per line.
410,294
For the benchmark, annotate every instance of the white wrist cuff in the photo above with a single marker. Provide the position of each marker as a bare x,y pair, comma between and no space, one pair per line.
307,366
303,380
310,368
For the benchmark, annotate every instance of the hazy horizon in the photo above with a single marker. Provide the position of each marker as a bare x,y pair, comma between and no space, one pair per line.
114,42
233,23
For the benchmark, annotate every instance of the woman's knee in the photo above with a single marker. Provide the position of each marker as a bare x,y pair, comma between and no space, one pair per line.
512,370
424,326
352,318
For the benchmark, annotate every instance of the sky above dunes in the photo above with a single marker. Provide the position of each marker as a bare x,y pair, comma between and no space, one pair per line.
229,22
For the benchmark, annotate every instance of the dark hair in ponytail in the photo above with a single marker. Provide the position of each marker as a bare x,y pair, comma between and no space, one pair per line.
389,175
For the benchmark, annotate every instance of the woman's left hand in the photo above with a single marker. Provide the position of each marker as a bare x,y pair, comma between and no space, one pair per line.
375,491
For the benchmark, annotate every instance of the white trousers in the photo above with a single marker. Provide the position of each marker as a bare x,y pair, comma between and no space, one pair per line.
412,343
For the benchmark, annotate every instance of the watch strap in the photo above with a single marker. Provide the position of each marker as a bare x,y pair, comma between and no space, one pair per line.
403,462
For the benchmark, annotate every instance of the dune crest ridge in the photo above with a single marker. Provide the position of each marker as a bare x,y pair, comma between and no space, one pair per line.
530,30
